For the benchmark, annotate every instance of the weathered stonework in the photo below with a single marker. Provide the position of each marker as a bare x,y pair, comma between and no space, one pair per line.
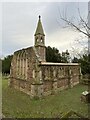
34,76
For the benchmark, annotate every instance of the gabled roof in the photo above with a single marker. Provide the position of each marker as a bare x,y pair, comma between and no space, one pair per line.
39,29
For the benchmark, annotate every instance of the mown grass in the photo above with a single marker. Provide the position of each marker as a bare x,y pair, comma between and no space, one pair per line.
17,104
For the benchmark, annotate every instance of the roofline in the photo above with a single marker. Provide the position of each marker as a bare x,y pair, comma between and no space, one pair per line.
63,64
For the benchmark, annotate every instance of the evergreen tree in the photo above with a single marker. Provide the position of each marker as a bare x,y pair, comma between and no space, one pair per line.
84,62
65,57
75,60
52,54
6,63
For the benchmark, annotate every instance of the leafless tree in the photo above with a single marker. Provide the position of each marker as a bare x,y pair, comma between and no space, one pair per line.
82,27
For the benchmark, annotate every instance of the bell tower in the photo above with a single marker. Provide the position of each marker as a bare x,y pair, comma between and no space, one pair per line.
40,40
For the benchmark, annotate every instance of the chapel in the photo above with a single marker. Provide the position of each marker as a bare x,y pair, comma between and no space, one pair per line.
31,74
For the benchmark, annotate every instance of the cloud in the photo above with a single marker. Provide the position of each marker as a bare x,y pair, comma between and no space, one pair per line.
62,39
20,21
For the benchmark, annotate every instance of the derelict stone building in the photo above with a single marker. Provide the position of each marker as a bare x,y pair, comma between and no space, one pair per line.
31,73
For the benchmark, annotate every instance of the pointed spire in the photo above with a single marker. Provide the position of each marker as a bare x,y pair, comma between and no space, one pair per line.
39,29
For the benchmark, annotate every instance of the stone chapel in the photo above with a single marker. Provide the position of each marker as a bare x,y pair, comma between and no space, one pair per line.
34,76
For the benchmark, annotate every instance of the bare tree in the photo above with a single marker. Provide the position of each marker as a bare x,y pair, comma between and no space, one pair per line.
82,27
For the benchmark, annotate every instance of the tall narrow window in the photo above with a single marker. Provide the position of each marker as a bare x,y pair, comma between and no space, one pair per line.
17,67
23,67
20,67
26,67
40,73
33,73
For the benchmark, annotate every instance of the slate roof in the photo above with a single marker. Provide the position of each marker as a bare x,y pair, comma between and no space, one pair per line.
39,29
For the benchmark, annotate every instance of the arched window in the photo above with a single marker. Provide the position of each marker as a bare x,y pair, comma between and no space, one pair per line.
41,39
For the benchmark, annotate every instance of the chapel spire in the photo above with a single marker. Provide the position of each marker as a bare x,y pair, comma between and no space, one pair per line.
39,29
40,41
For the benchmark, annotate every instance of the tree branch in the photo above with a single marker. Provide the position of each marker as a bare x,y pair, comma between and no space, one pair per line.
77,28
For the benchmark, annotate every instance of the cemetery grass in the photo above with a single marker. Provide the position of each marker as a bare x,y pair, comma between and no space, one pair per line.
17,104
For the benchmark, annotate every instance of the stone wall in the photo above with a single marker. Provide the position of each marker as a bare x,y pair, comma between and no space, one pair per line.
21,72
41,51
29,75
56,77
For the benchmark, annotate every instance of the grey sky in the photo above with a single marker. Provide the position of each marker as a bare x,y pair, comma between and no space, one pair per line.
20,21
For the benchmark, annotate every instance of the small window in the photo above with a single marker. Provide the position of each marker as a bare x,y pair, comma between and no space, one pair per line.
60,68
41,39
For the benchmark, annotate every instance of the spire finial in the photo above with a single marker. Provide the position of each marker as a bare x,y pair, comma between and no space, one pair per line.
39,16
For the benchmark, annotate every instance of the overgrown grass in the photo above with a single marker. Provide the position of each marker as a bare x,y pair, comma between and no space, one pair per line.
17,104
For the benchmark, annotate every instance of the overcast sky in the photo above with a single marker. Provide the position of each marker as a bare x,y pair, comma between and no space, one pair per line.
19,21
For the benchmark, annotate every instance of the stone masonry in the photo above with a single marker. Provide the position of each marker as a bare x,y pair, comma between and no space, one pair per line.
34,76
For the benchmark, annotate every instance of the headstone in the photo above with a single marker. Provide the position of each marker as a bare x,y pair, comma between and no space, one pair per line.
85,96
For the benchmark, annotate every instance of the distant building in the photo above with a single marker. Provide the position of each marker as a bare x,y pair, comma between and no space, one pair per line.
31,73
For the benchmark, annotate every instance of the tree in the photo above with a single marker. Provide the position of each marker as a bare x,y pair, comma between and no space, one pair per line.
75,60
65,57
85,66
52,54
6,63
83,27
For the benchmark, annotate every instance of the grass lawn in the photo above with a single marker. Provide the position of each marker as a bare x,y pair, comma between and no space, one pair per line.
18,104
